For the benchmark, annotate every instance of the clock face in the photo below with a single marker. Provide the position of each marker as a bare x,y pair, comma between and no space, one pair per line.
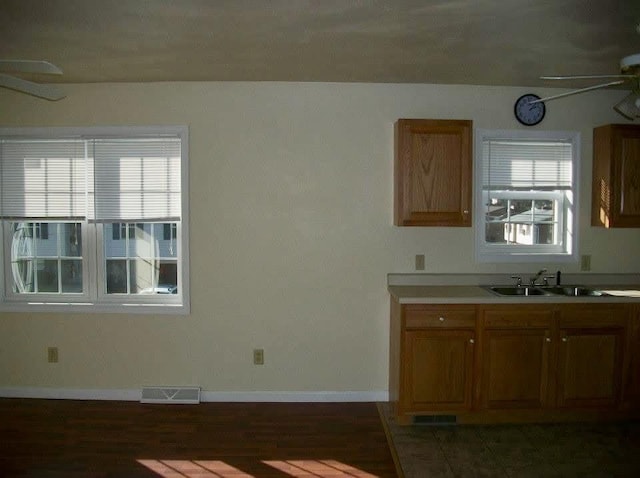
529,114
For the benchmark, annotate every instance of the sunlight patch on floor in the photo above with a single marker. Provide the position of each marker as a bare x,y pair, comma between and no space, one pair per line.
317,468
193,469
220,469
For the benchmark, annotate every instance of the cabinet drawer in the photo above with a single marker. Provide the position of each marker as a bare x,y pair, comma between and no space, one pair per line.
517,317
421,317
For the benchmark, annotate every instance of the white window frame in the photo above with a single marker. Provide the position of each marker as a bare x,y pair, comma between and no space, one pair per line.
92,300
567,202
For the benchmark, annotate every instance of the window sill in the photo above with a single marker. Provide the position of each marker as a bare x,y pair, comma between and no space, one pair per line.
95,308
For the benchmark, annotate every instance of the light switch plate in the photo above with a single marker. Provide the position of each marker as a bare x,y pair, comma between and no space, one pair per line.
419,262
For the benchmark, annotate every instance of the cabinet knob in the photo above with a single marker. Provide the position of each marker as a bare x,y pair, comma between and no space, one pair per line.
547,339
472,341
565,339
466,211
441,319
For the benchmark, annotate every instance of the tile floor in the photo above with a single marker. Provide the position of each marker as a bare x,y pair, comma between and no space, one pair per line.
587,450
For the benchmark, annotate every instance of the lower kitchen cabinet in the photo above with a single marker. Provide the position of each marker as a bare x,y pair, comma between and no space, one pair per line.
437,373
432,357
515,359
632,379
591,364
517,362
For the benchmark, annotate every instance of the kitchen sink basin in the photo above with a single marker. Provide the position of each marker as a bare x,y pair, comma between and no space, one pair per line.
574,291
568,291
515,290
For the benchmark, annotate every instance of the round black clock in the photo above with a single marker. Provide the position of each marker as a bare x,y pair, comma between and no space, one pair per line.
529,114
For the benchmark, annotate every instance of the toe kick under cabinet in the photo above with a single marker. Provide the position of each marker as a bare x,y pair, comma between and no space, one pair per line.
496,363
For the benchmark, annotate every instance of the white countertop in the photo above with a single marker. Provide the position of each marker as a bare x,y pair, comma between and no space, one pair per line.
466,289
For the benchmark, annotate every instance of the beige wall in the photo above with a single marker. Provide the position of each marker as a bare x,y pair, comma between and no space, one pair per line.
291,233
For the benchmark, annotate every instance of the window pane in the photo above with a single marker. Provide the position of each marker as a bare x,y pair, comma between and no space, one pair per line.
141,244
71,240
521,221
47,275
23,276
71,276
165,236
144,260
115,244
38,253
116,277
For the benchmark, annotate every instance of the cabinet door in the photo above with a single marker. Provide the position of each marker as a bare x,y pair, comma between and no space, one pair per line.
590,367
433,173
515,368
591,355
516,357
632,395
616,176
438,370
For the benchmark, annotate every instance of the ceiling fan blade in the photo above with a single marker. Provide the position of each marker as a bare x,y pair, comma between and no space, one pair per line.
30,66
585,77
48,92
581,90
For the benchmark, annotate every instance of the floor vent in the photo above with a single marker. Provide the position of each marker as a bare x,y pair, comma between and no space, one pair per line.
178,395
435,420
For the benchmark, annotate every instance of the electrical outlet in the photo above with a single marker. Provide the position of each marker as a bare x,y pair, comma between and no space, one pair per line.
585,263
52,354
419,262
258,356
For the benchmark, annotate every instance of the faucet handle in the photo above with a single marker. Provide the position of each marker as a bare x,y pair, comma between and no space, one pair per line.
518,280
545,280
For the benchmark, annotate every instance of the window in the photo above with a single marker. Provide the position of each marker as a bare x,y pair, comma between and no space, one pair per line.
94,219
526,196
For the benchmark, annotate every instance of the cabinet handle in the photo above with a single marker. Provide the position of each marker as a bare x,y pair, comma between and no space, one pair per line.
472,341
441,319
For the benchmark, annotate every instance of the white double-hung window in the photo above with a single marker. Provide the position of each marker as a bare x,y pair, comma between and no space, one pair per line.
94,219
526,194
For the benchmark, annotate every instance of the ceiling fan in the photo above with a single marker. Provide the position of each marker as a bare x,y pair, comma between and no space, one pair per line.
629,107
48,92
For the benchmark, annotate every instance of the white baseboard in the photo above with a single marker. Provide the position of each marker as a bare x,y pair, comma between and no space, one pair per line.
206,396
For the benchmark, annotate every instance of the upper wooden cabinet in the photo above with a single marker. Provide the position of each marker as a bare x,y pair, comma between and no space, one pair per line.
616,176
433,172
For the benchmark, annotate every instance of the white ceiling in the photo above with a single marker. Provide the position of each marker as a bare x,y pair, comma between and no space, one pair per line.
483,42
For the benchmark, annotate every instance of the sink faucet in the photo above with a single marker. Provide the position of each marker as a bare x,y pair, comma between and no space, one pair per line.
532,280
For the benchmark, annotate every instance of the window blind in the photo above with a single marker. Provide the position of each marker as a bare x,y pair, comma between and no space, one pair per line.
525,165
102,180
136,179
42,179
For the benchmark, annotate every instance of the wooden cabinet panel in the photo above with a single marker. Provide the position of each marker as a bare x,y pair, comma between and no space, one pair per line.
590,367
433,172
438,369
516,362
451,316
516,356
616,176
632,385
590,357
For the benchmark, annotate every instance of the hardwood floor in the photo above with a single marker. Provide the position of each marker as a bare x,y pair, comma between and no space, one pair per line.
52,438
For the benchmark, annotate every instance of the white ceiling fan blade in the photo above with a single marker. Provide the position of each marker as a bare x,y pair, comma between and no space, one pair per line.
30,66
48,92
585,77
575,92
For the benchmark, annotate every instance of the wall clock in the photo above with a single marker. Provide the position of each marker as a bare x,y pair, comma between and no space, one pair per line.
529,114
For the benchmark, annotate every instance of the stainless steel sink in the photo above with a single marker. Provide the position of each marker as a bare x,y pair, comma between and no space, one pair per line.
575,291
517,290
568,291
